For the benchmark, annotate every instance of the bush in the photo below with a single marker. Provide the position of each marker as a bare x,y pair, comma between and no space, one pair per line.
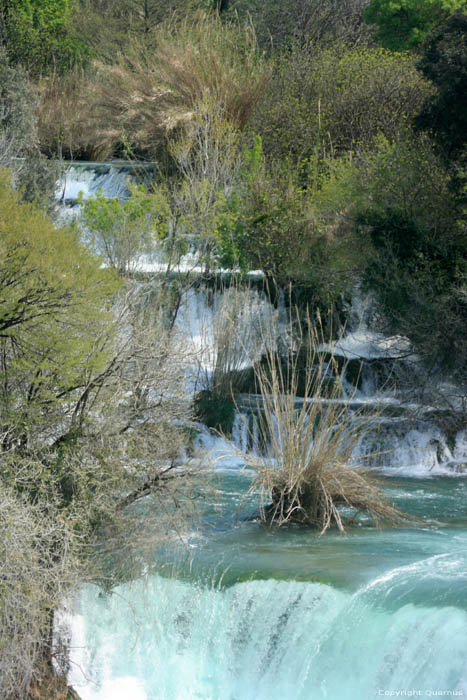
38,568
216,413
269,224
37,35
330,101
68,116
280,24
125,232
404,223
444,61
404,24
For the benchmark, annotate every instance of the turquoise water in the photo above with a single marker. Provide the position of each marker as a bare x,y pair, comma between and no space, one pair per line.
258,613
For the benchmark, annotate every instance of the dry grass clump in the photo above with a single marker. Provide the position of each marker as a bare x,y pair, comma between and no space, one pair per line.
70,124
151,91
209,57
156,85
308,470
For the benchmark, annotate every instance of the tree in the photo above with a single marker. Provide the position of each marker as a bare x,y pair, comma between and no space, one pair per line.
92,410
265,224
269,223
444,62
404,24
281,24
36,34
37,567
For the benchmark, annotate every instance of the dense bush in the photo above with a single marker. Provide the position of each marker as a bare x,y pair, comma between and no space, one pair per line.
270,224
444,61
37,34
337,99
404,24
280,24
402,216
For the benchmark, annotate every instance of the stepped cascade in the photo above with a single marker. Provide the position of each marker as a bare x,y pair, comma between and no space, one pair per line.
241,611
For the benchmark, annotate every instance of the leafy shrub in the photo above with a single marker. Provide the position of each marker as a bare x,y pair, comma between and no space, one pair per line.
337,99
214,412
37,35
124,232
404,24
404,223
444,61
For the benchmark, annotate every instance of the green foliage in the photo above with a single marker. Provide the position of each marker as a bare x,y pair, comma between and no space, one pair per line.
36,34
444,61
330,101
404,24
405,176
404,223
269,224
265,225
123,231
215,412
51,309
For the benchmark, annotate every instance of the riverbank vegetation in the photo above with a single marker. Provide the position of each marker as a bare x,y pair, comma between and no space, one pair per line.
321,143
92,416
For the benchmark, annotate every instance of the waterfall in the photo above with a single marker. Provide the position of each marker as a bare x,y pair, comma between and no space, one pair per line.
267,640
112,179
259,614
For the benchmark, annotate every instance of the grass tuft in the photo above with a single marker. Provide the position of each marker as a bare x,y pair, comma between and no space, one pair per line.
308,472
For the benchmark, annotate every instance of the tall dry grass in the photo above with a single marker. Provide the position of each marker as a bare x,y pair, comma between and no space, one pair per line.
151,91
70,119
131,105
308,472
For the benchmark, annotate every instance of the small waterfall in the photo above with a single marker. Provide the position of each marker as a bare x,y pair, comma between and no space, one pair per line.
112,179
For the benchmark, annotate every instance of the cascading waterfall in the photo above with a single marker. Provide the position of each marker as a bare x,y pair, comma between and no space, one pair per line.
270,640
261,614
112,179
